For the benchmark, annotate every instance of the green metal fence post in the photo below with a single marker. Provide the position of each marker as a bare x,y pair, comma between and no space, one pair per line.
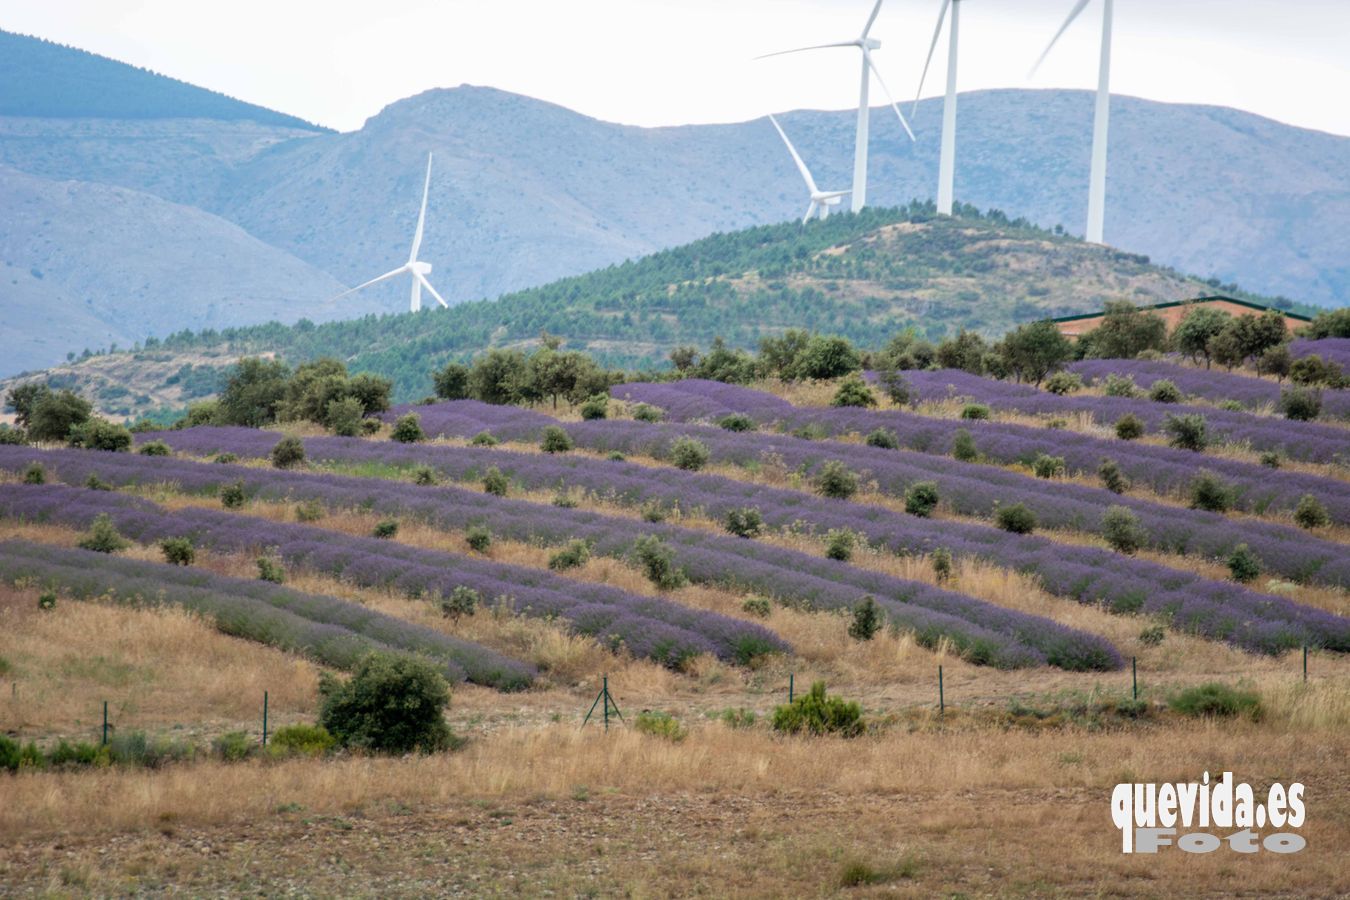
264,718
791,677
105,723
1305,663
605,689
1134,675
942,697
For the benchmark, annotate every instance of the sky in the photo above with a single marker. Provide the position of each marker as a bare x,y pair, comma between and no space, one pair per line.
670,62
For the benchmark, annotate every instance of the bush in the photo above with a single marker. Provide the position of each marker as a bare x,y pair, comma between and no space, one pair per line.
868,619
658,563
234,746
975,411
1300,404
408,429
35,474
1243,564
555,440
371,427
425,476
154,448
1164,391
463,601
1047,466
853,391
884,439
1216,700
385,529
595,407
94,483
689,454
895,385
817,713
232,495
495,483
478,538
1310,513
659,724
344,416
309,511
564,500
12,436
654,511
942,565
100,434
756,606
839,543
1119,386
102,537
573,556
1130,427
1271,459
270,569
1016,519
47,600
836,481
963,447
225,458
1188,432
391,704
1113,479
646,413
1153,635
921,498
614,456
736,422
1064,383
133,748
745,522
288,453
738,718
178,551
1122,530
301,740
1210,493
484,439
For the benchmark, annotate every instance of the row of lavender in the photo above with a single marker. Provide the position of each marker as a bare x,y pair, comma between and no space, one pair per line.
1208,384
648,627
1334,350
1164,470
1218,610
332,631
982,632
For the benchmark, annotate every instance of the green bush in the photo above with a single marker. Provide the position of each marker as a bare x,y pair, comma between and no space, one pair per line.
756,606
1113,479
35,474
134,748
745,522
371,427
94,483
12,436
408,429
555,440
484,439
76,755
963,447
1130,427
1164,391
100,434
225,458
391,704
646,413
1271,459
1300,404
564,500
1243,564
1045,466
1310,513
884,439
839,543
301,740
1119,386
288,453
868,619
942,565
738,718
1016,519
232,495
1210,493
836,481
102,537
234,746
921,498
1188,432
1064,383
47,600
654,511
270,569
308,511
425,476
595,407
154,448
463,601
1216,700
659,724
1122,530
1153,635
495,483
344,416
385,529
178,551
614,456
977,412
573,556
736,422
817,713
658,563
853,391
478,537
689,453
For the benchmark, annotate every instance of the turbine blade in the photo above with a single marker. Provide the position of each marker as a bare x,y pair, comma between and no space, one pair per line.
801,166
872,18
810,211
385,277
830,195
804,49
421,216
881,81
427,284
937,33
1077,8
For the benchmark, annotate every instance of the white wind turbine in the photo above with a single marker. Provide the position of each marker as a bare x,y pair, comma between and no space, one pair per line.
869,68
947,160
1101,120
821,201
414,267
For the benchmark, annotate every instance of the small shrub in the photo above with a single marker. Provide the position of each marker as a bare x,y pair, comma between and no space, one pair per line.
614,456
94,483
1016,519
1122,530
738,718
1300,404
573,556
1045,466
1113,479
756,606
646,413
1057,424
478,538
301,740
1164,391
1119,386
1064,383
225,459
385,529
100,434
745,522
654,511
942,565
370,427
977,412
564,500
689,454
1243,564
853,391
234,746
270,569
736,422
1271,459
868,619
1188,432
154,448
839,543
178,551
1130,427
288,453
425,476
343,416
496,483
232,495
817,713
484,439
408,429
963,447
659,724
12,436
884,439
103,537
658,563
463,601
1153,635
921,498
836,481
1231,405
555,440
595,407
1310,513
1210,493
47,600
35,474
391,704
1215,700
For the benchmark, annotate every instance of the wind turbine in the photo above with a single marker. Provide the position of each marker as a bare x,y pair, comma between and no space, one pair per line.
947,160
821,201
869,68
414,267
1096,217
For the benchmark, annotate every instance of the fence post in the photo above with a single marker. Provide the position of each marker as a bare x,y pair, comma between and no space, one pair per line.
1134,675
605,688
264,743
1305,663
105,723
942,698
791,677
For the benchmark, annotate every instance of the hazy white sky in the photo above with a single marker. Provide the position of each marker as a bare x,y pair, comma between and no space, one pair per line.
663,62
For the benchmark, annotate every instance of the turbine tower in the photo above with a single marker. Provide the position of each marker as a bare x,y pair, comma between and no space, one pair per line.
869,68
821,201
1096,217
414,267
947,161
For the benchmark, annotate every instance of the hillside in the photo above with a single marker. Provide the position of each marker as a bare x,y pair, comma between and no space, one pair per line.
865,277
